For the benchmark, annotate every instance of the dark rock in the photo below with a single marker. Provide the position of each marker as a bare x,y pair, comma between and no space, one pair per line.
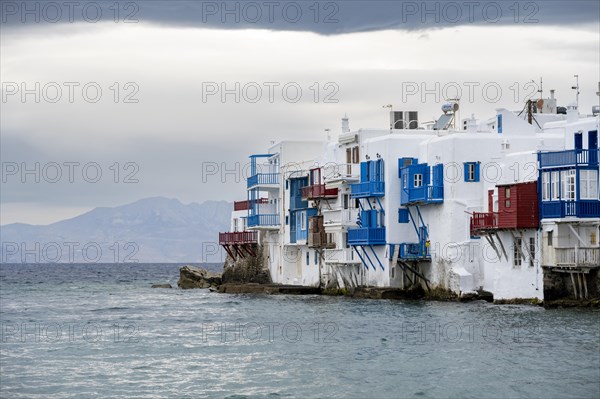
194,277
161,286
270,289
250,269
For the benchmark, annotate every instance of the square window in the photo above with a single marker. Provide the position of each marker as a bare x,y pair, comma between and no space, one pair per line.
418,180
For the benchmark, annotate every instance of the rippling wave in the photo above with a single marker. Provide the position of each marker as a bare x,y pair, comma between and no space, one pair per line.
86,331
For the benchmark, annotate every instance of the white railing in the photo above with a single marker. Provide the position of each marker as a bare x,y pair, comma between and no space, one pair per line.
267,209
578,256
343,255
340,216
335,171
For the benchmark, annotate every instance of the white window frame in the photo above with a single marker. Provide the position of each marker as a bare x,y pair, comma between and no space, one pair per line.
569,185
405,181
545,186
418,180
517,256
302,221
471,171
532,248
555,186
588,184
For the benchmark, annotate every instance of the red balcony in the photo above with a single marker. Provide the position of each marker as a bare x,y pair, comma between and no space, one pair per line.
245,205
318,191
482,222
240,237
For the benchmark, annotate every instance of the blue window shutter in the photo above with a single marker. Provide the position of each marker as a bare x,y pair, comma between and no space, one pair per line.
364,172
373,218
364,218
403,215
578,141
466,171
477,171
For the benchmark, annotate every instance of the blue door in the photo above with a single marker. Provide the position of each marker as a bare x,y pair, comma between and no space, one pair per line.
578,141
593,146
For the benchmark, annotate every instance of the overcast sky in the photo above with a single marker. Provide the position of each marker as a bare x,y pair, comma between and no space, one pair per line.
160,119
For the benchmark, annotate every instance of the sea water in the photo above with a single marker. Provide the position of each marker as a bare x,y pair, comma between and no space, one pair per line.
87,331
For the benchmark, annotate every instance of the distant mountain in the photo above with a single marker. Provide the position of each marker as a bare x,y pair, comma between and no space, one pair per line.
149,230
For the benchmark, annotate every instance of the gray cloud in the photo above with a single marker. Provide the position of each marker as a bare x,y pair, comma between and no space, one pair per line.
326,17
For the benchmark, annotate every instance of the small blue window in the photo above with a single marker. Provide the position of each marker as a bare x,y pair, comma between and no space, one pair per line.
471,171
500,124
287,220
403,215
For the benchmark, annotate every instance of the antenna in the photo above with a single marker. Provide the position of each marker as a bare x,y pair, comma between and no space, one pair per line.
541,89
390,106
576,88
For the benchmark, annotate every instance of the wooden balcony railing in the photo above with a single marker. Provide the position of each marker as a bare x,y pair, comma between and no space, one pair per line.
245,205
577,256
482,221
318,191
238,237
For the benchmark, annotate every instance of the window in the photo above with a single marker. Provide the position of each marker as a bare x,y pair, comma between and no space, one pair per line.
567,178
593,239
302,221
418,180
545,186
316,257
393,271
405,181
517,251
550,238
307,258
507,197
287,220
588,184
345,201
355,155
531,251
471,171
555,186
235,224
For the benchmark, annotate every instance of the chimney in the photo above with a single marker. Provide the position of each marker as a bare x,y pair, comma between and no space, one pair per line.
345,124
552,94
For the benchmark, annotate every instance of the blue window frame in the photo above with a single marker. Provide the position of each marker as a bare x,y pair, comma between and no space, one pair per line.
472,171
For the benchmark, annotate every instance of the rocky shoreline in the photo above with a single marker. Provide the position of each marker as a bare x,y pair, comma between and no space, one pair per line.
231,282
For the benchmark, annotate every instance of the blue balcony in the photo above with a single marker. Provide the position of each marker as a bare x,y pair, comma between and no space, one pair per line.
561,209
423,195
559,159
368,189
263,179
413,251
366,236
263,220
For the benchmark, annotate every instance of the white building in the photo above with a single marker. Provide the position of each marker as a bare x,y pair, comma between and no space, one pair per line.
460,209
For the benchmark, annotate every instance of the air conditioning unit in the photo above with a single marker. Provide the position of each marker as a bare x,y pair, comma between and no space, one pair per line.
404,119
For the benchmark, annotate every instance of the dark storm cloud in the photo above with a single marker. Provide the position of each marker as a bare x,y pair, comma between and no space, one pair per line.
322,17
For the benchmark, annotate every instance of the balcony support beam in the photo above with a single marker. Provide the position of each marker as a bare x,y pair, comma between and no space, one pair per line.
583,243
